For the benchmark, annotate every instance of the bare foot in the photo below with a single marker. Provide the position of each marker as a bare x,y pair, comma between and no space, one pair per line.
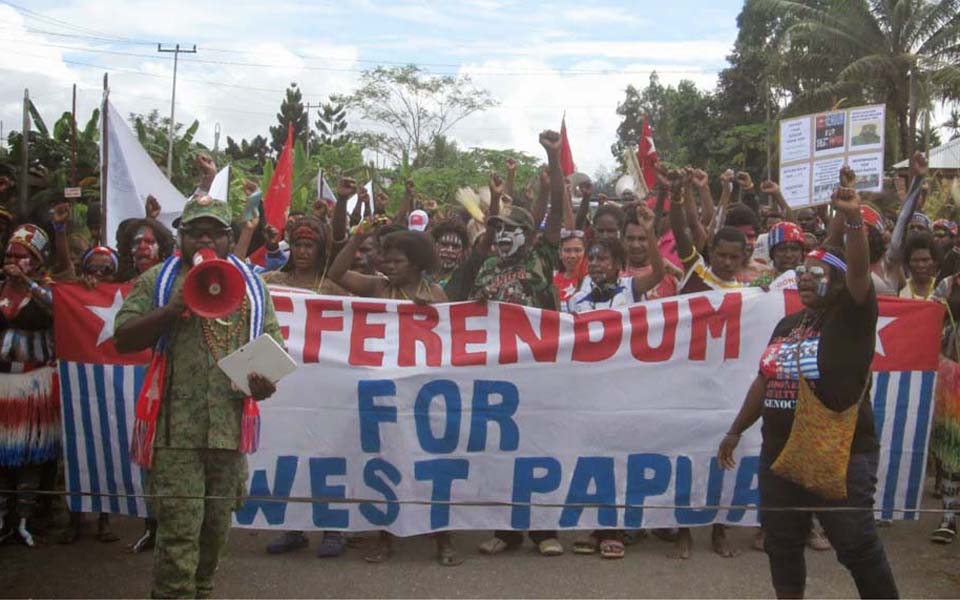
718,540
683,547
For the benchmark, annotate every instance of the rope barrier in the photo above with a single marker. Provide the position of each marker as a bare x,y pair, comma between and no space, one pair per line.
477,503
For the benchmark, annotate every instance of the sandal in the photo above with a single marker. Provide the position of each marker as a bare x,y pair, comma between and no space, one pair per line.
494,546
449,557
331,545
587,545
945,534
611,549
550,547
817,541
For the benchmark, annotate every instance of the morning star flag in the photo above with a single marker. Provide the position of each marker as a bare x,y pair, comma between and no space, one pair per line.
608,419
98,390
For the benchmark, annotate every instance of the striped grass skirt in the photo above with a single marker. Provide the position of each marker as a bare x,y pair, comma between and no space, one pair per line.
30,430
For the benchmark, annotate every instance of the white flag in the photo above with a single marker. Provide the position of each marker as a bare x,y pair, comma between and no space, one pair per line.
220,188
352,202
131,177
324,191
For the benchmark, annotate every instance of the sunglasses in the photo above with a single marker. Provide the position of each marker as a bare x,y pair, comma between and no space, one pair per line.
816,272
566,234
211,232
104,270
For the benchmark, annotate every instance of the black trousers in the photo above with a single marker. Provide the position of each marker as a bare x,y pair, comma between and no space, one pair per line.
852,533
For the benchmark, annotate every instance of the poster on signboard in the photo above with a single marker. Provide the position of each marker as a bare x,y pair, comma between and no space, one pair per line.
829,133
826,178
814,147
795,184
795,139
869,170
866,128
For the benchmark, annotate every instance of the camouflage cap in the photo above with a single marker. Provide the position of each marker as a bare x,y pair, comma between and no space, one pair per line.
202,206
515,216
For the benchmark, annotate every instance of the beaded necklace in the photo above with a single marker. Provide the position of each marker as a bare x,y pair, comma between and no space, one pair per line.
218,338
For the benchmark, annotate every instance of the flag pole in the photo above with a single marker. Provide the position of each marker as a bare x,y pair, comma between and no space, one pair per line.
104,157
24,183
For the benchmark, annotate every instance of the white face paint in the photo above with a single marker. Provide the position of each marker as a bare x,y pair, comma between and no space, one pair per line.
509,240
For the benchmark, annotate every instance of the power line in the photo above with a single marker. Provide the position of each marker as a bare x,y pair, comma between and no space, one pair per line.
480,72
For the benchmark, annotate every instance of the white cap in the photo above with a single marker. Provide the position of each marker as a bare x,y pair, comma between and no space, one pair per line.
418,221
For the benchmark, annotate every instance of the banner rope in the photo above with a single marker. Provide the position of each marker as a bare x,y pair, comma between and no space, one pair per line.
477,503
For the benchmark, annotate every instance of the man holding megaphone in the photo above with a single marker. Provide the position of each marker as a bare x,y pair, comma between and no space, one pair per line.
192,426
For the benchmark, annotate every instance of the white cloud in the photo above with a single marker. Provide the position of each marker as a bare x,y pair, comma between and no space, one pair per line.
601,15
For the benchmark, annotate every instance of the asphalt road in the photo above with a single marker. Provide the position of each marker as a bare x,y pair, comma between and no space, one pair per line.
89,568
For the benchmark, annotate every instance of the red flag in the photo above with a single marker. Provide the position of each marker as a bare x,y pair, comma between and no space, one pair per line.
276,202
647,155
83,324
566,156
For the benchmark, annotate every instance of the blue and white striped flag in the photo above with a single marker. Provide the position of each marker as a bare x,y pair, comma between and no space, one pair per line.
98,402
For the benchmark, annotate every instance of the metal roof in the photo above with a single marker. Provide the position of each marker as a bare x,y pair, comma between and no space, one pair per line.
946,156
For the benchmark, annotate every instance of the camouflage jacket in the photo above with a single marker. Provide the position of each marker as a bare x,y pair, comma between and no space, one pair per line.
525,279
200,408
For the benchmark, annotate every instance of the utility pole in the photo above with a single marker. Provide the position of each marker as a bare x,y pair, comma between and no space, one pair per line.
216,138
73,139
24,183
173,99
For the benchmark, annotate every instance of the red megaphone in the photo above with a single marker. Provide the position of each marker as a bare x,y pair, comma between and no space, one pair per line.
213,287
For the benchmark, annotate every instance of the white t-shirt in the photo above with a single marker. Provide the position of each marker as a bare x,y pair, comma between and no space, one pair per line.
623,295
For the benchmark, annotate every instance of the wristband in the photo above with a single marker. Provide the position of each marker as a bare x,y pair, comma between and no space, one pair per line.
59,227
855,225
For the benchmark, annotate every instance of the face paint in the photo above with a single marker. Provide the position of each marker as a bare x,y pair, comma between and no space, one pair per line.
145,249
509,240
450,251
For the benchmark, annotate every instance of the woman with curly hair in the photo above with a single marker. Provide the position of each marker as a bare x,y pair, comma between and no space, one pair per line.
141,244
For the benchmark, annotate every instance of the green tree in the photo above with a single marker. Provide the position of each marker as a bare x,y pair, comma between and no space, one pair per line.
891,51
293,113
651,102
332,123
411,108
152,132
256,150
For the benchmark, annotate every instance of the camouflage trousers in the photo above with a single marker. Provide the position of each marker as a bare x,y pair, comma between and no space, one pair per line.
192,533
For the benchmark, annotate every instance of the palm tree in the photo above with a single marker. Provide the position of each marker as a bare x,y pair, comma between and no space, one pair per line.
953,124
904,53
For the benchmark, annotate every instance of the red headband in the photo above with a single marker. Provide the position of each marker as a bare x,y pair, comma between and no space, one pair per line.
305,232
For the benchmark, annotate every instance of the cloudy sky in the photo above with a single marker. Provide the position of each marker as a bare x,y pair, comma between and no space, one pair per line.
536,59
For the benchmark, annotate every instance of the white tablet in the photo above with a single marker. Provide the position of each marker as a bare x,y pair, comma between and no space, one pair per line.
263,356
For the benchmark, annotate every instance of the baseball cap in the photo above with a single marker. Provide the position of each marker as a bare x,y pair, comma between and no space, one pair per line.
516,216
418,221
202,206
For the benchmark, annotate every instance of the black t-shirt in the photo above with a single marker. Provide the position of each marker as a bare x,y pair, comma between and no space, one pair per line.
835,352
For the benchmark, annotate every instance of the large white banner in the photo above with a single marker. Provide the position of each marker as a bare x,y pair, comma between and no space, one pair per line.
494,416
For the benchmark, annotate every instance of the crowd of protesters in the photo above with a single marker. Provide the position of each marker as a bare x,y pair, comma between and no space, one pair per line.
540,250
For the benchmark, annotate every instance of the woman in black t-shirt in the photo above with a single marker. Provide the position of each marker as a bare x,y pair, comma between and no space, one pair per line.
831,344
